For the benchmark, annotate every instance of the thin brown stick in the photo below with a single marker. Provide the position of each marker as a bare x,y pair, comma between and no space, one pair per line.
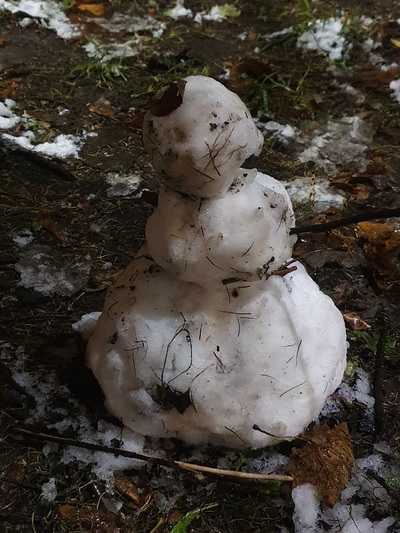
63,441
373,214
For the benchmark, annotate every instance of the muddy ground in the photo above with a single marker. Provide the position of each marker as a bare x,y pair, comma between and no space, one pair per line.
68,208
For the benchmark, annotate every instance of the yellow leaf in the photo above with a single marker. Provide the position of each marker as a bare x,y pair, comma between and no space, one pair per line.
396,42
94,9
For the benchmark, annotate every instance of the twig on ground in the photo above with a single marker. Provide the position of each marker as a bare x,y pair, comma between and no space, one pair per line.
150,459
373,214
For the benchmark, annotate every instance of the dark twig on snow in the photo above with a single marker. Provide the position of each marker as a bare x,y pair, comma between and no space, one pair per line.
39,160
373,214
169,463
378,375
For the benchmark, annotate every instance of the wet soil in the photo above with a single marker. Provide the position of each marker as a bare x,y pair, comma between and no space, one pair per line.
68,206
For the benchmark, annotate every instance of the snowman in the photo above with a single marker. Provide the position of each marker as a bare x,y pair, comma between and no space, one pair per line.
213,329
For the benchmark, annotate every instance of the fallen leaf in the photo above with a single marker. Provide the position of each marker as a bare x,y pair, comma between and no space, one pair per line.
379,242
325,461
51,226
89,518
102,107
356,322
128,489
396,42
13,475
95,9
169,100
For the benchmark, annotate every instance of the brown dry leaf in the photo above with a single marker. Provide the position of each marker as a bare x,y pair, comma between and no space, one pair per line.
102,107
49,225
13,475
128,489
378,241
169,100
356,322
89,518
325,461
95,9
8,87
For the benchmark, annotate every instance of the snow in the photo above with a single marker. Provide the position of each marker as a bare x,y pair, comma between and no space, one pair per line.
62,146
122,185
179,11
86,324
47,11
50,273
326,37
23,238
395,88
49,490
177,324
318,193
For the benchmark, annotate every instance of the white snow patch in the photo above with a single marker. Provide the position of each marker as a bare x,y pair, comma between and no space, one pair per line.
122,185
179,11
271,36
106,52
325,37
47,272
284,132
49,490
216,13
127,23
395,88
305,189
7,118
23,238
47,12
62,146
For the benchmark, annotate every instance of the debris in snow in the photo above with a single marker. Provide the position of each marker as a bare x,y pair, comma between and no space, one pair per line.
326,37
122,185
318,193
48,12
47,273
344,142
49,490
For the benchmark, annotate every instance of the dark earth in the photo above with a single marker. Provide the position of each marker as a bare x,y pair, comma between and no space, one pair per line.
61,200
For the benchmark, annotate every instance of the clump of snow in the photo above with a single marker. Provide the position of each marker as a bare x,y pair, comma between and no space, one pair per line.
395,88
7,118
122,185
49,490
271,36
48,273
179,11
106,52
320,194
23,238
131,24
326,37
217,13
48,12
345,517
283,132
86,324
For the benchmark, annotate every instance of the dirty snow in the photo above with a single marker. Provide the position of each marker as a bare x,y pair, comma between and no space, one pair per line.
47,12
62,146
326,37
179,11
49,490
50,273
395,88
318,193
122,185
